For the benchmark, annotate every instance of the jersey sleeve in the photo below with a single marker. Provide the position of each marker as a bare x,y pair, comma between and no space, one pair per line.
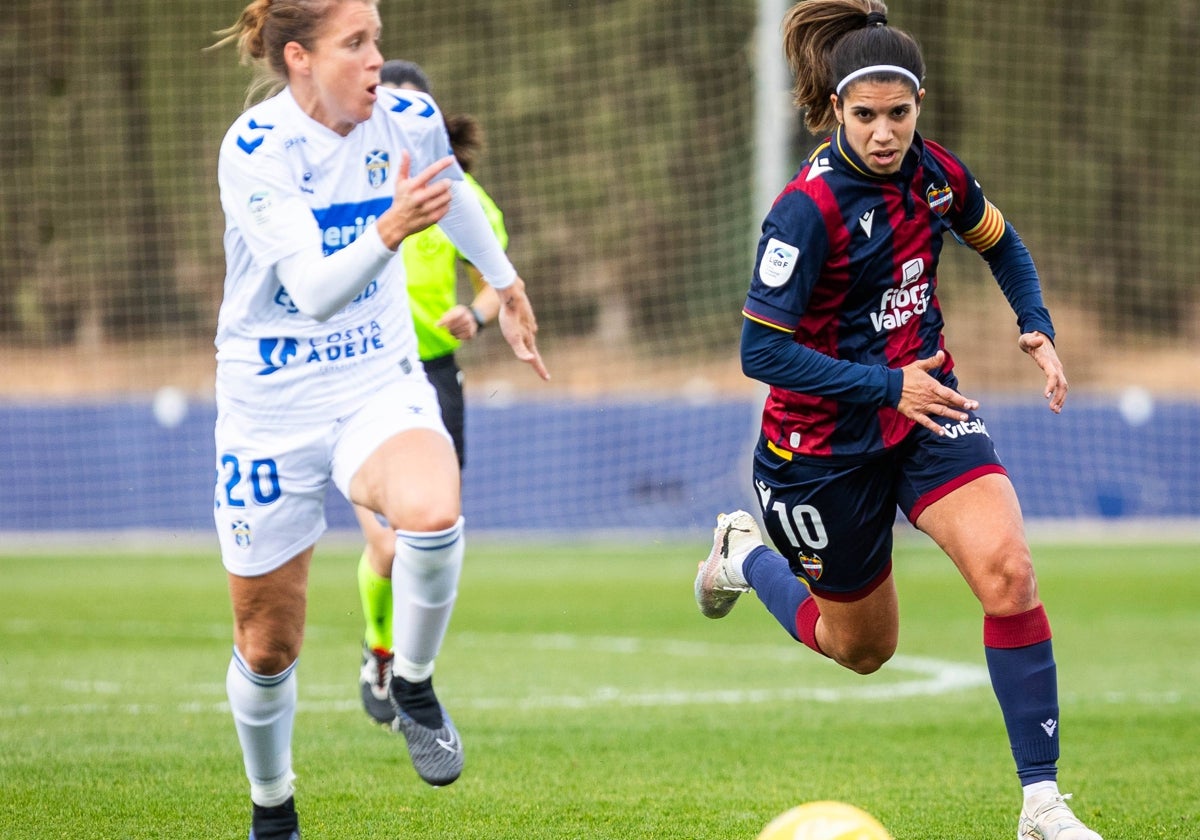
980,225
259,195
788,262
424,129
493,213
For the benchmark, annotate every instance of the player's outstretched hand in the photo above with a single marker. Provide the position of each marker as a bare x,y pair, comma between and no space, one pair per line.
1041,349
419,201
923,397
519,326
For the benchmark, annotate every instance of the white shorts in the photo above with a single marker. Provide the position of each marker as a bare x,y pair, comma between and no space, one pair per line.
269,499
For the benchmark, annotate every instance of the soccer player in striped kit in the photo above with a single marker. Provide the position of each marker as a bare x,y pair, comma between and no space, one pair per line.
864,413
318,375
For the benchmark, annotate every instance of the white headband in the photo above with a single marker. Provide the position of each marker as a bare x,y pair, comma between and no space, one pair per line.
878,68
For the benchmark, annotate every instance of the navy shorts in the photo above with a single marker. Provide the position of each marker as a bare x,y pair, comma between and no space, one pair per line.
447,380
832,518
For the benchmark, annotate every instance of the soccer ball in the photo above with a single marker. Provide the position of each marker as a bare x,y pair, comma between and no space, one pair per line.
824,821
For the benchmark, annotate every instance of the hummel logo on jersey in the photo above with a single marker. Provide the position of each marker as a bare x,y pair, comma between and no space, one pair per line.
819,168
865,221
404,103
248,146
1050,725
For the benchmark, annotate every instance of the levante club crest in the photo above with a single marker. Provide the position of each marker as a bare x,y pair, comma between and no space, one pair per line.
939,198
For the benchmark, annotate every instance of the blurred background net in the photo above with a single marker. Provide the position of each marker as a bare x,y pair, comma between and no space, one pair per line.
626,146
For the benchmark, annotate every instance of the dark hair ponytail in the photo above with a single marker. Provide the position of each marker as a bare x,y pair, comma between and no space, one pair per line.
827,40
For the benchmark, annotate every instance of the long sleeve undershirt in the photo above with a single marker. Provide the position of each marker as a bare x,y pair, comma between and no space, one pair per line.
320,286
772,356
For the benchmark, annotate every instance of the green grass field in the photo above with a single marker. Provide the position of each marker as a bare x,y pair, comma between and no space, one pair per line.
594,702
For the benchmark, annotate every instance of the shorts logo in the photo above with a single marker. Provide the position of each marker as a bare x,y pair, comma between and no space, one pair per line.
778,260
965,427
377,168
812,565
241,532
939,199
276,352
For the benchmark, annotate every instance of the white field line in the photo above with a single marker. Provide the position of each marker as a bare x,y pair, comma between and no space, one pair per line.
928,677
922,677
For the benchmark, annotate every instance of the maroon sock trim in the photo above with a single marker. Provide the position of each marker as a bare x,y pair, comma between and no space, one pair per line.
806,623
1016,631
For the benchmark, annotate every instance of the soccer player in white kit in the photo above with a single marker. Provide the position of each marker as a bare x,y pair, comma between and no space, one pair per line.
318,378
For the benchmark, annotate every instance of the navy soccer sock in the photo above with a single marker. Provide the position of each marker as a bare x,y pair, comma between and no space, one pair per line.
776,586
1020,660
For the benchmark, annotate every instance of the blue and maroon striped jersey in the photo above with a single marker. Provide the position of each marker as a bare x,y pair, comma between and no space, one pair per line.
844,292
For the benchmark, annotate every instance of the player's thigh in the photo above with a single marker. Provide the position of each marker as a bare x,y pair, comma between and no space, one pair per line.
979,527
394,456
833,522
269,611
269,498
954,488
861,630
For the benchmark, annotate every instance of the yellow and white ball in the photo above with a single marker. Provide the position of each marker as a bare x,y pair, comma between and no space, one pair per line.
824,821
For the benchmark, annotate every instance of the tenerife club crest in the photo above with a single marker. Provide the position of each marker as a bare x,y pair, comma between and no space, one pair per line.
377,168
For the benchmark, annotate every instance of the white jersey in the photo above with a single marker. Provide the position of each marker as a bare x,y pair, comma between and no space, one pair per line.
286,180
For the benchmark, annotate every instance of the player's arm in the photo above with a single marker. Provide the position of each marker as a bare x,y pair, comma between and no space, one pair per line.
321,286
1012,266
465,321
790,259
771,355
467,227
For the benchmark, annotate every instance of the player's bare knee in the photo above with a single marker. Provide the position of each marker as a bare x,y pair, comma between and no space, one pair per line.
865,659
267,658
431,520
1010,589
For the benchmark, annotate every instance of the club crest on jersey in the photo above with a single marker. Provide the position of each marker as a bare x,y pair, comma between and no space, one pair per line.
241,532
939,199
377,168
812,564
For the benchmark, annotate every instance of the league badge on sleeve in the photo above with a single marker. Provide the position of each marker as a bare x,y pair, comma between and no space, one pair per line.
377,168
778,260
260,205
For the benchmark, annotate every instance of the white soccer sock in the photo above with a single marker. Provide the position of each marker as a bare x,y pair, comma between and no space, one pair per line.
1040,790
263,711
425,575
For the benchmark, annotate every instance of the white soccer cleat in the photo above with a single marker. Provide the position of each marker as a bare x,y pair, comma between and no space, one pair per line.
719,580
1052,819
